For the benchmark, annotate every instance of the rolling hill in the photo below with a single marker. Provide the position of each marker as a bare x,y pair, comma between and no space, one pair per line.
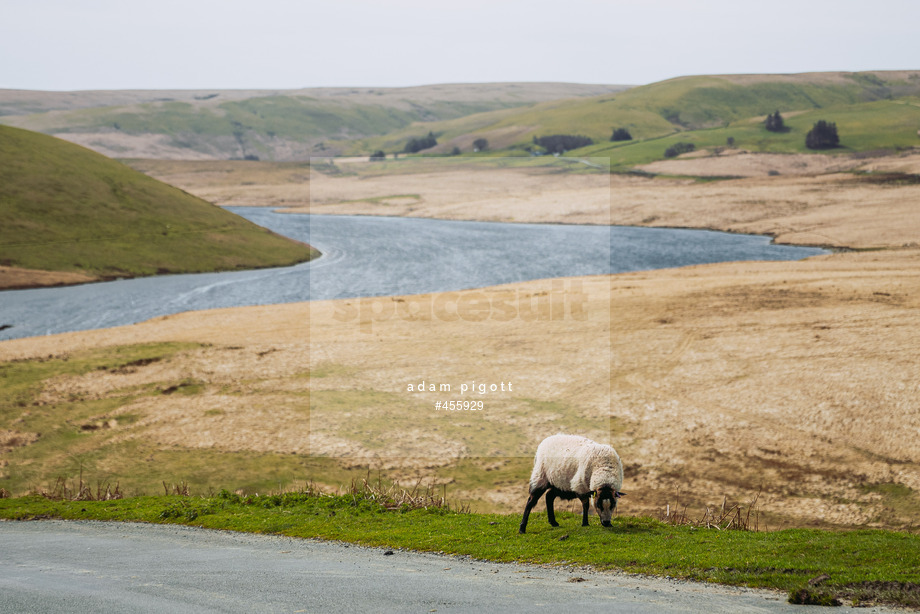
263,124
65,208
873,110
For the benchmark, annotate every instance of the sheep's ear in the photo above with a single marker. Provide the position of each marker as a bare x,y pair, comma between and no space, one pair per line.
620,494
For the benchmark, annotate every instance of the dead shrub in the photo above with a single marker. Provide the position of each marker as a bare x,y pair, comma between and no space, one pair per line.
64,490
726,517
394,497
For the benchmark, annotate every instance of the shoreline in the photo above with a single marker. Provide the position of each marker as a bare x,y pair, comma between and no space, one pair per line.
697,247
772,236
59,277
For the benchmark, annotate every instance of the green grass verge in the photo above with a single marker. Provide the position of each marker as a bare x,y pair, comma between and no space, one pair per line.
66,208
862,566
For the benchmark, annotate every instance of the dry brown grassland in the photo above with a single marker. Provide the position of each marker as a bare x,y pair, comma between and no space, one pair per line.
797,380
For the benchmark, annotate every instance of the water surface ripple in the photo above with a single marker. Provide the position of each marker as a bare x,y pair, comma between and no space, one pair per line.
379,256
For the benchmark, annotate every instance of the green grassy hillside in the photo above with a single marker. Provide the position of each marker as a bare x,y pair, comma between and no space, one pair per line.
65,208
872,110
291,125
234,129
879,125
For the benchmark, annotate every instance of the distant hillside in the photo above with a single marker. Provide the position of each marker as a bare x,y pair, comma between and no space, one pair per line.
873,110
263,124
65,208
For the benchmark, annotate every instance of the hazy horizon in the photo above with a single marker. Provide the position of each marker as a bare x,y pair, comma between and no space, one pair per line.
54,45
435,84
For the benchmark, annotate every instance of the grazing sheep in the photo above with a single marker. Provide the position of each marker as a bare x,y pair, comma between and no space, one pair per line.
569,466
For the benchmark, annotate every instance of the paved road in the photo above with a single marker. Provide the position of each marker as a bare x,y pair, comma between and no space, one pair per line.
111,567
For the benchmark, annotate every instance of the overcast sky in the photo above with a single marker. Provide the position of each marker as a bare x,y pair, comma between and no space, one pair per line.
202,44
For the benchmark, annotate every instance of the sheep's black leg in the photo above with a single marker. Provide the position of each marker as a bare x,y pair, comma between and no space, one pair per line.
551,495
585,499
531,501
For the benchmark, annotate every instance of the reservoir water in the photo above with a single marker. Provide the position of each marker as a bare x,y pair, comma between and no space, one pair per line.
379,256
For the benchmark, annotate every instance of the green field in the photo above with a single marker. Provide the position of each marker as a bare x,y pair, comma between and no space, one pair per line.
881,125
872,111
861,567
66,208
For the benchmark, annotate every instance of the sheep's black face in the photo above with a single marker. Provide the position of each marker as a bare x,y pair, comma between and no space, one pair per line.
605,502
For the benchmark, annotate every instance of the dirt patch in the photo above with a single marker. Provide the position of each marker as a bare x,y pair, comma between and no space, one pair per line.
739,163
10,440
878,591
908,163
12,278
262,423
493,195
235,182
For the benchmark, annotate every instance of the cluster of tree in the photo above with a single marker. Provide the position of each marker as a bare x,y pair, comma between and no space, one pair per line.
378,155
774,123
417,144
480,145
823,135
621,134
678,148
561,143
